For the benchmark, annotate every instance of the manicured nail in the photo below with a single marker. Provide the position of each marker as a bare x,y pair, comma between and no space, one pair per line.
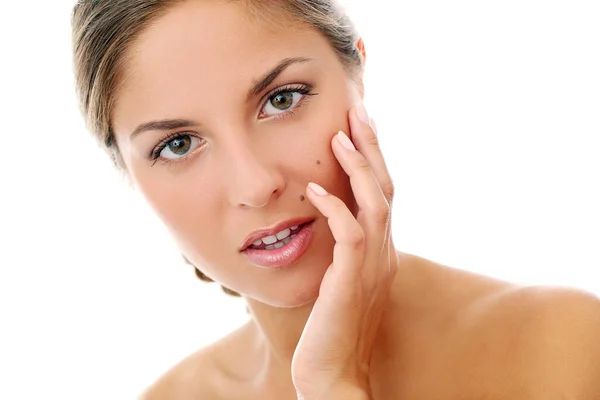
361,112
317,189
345,141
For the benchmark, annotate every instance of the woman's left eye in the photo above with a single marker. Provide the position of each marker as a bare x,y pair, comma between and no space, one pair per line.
283,101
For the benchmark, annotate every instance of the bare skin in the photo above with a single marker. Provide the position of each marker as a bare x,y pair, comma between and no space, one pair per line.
445,333
448,334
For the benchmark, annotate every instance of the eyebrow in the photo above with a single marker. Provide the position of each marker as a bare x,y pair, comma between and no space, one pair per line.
162,125
268,78
260,85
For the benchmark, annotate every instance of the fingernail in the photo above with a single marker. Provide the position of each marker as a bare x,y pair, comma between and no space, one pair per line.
345,141
318,189
361,112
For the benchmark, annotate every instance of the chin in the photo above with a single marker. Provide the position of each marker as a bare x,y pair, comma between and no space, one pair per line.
299,284
301,296
296,284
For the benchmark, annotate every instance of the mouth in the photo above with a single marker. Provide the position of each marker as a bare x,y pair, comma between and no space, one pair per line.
278,240
279,246
262,238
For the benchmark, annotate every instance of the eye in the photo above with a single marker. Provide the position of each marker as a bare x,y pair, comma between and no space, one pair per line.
284,100
177,147
281,102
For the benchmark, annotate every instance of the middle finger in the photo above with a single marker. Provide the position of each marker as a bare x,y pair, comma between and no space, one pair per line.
368,193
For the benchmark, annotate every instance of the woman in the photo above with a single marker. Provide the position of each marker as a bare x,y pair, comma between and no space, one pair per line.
242,124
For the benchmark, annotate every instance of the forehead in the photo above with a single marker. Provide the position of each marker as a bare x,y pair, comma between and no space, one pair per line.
205,47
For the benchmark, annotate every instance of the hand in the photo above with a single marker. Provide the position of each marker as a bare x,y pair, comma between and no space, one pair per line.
334,351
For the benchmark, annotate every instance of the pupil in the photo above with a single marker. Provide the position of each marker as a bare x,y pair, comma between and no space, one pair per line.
283,101
180,145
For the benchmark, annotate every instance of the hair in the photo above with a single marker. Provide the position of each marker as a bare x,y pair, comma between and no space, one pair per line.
104,30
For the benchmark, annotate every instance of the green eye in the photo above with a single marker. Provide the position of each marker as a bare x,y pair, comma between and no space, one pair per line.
285,100
178,147
181,145
282,101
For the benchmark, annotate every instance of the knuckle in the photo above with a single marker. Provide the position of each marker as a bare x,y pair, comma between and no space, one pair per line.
356,238
373,140
339,206
362,163
382,214
389,189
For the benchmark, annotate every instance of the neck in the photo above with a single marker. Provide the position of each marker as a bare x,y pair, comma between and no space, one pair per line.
279,329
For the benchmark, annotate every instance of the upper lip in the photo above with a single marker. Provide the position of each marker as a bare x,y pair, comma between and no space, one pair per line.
259,234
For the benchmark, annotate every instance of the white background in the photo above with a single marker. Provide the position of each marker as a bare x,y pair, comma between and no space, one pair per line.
489,114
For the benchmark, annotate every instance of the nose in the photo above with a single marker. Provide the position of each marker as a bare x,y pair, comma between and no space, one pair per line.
255,180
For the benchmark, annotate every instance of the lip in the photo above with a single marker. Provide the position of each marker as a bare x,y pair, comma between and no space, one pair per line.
283,256
259,234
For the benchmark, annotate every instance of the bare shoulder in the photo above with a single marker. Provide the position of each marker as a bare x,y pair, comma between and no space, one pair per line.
522,341
201,375
554,335
189,379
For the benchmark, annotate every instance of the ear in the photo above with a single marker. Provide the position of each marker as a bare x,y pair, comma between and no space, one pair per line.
360,46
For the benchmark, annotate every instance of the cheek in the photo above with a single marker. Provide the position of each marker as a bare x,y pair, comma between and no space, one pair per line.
312,159
307,147
179,204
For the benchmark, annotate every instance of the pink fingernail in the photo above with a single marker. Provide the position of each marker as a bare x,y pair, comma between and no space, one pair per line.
345,141
318,189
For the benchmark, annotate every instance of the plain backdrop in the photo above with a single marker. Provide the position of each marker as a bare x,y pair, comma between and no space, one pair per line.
489,117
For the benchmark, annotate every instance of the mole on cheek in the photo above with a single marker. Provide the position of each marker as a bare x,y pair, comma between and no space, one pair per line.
318,162
301,198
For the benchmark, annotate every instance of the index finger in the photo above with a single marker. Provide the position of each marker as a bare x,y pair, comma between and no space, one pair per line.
366,141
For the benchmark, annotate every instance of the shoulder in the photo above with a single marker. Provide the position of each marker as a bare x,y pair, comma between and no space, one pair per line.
539,340
205,374
189,379
550,337
561,342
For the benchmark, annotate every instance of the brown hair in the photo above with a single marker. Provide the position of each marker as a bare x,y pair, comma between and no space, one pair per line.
104,30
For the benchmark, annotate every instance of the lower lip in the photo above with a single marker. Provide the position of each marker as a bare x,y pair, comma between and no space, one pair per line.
285,255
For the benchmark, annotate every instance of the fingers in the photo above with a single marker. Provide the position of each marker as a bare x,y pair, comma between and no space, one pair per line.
373,206
344,227
348,251
364,136
366,237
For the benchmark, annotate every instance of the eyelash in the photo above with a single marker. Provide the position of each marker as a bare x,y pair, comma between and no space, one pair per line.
305,90
155,155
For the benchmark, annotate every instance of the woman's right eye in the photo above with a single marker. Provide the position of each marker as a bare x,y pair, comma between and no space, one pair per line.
177,147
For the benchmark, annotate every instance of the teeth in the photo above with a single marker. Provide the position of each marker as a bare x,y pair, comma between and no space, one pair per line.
279,244
269,240
283,234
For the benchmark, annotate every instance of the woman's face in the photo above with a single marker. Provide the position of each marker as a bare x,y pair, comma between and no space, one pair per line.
239,141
